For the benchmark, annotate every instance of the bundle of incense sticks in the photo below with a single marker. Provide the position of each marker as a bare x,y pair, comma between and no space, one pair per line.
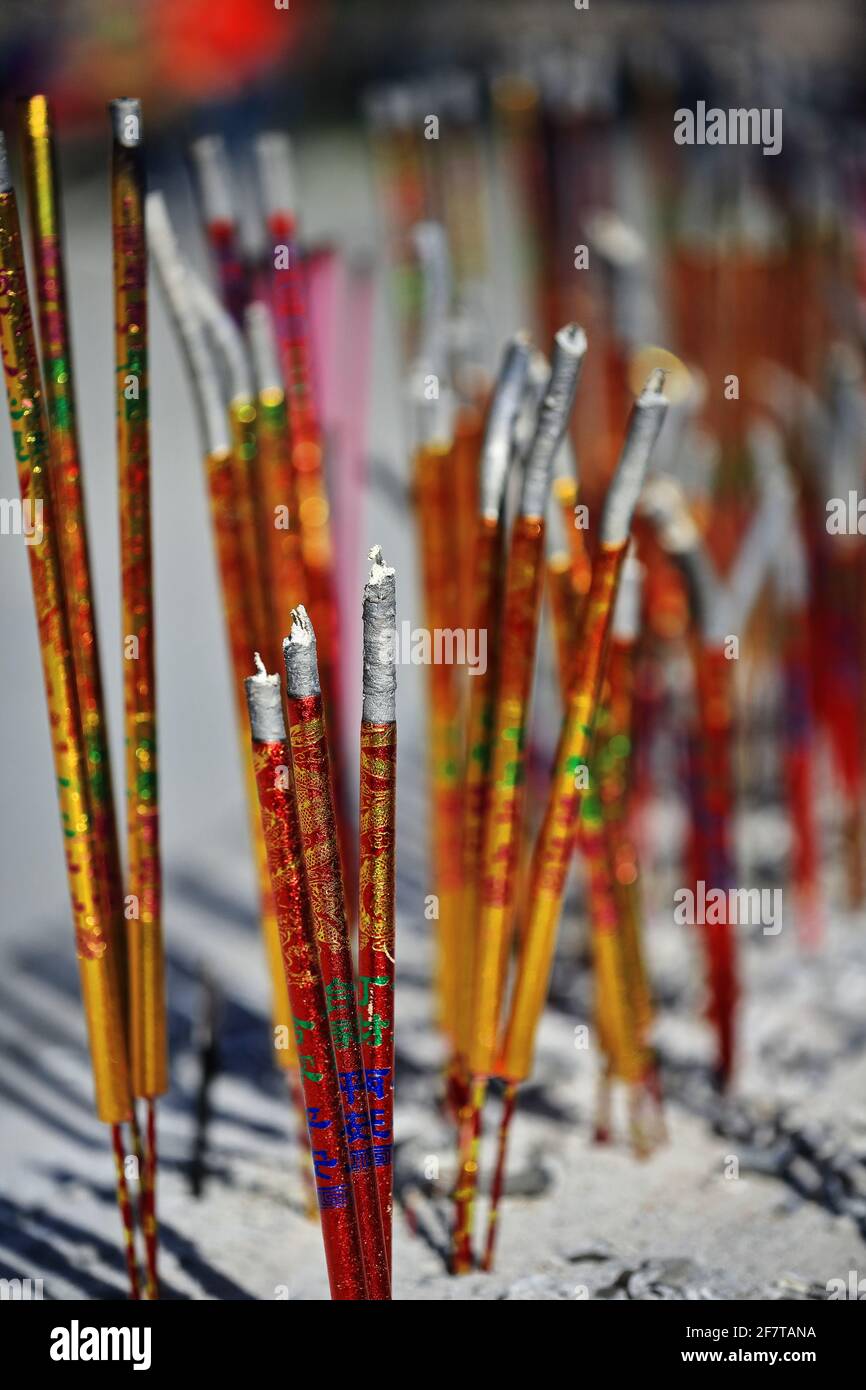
358,1013
556,837
64,611
510,717
623,1006
316,1060
248,600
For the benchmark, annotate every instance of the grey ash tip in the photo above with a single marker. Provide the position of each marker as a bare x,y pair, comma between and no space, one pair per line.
644,427
265,705
569,347
299,653
126,121
655,382
380,625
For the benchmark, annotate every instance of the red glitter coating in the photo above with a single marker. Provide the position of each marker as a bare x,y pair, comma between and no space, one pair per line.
364,1130
316,1059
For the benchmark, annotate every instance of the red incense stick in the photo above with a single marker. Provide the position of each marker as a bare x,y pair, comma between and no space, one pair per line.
376,922
316,1059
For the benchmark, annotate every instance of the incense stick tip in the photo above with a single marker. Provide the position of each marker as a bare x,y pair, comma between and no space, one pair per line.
299,654
379,571
655,382
265,705
572,339
379,704
302,633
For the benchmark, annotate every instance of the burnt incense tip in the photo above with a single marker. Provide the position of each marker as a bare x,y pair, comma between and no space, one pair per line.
5,178
380,573
125,115
571,339
644,427
655,382
379,704
302,633
299,654
265,705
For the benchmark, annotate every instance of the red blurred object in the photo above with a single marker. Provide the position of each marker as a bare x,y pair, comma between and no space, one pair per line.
167,51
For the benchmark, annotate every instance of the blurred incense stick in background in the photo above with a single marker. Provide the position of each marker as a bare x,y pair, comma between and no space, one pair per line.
242,610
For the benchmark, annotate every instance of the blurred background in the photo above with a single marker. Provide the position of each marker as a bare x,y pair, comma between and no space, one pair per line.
552,130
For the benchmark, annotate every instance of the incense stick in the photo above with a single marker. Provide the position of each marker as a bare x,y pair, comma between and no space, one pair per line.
240,611
486,591
277,500
100,986
147,1025
58,377
315,805
249,520
376,920
214,184
291,324
317,1064
519,633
